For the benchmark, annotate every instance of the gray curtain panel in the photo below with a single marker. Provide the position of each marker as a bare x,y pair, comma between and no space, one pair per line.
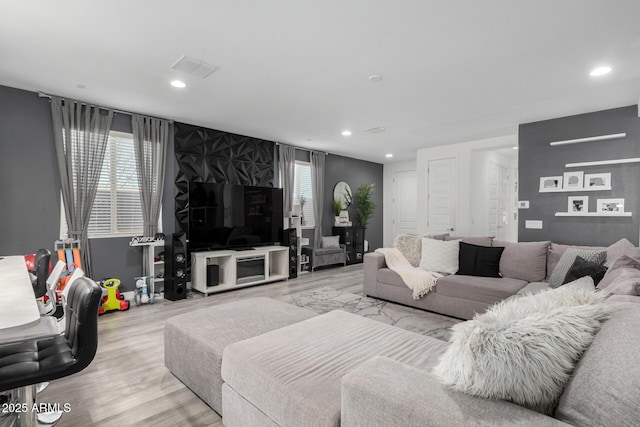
80,135
317,188
287,156
150,138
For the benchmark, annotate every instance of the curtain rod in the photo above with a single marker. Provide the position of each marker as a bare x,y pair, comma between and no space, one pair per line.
44,95
304,149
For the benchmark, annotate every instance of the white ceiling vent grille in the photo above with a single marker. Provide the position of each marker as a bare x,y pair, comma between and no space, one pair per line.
194,66
377,129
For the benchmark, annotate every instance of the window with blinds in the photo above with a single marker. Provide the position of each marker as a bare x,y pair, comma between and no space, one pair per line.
117,211
302,187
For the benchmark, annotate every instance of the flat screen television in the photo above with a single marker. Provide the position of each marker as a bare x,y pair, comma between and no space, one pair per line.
227,216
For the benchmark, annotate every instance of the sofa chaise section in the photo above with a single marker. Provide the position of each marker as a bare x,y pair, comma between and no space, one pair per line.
292,375
194,342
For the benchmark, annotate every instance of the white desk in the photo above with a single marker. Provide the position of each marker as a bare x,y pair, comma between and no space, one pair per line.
20,321
18,307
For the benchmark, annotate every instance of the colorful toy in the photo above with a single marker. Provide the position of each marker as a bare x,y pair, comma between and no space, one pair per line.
114,300
142,290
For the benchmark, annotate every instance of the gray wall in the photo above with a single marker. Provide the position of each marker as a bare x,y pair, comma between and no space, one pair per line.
29,180
30,188
537,159
355,173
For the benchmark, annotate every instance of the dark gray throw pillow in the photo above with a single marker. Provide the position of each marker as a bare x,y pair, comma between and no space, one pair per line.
581,268
483,261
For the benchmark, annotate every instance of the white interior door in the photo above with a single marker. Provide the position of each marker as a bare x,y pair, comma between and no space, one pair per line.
442,195
405,203
498,201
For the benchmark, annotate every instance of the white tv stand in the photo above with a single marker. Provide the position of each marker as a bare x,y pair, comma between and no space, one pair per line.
276,267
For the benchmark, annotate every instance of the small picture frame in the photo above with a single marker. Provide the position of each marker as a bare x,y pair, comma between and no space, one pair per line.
610,206
597,181
578,205
550,183
573,180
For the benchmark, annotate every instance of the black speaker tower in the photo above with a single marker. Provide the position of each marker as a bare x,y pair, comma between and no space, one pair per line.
290,239
175,277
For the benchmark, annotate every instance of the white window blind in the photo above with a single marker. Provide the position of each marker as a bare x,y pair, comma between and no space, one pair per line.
116,210
302,187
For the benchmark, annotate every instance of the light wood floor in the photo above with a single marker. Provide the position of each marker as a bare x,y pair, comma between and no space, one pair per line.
127,383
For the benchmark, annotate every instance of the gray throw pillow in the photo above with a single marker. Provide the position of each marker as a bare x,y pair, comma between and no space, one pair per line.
626,283
524,260
620,248
330,242
621,264
568,258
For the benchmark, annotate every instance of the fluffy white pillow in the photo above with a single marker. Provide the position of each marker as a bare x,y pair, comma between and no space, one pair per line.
440,256
523,350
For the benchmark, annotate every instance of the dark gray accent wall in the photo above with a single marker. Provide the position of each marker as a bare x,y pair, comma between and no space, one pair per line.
30,188
538,159
355,173
29,180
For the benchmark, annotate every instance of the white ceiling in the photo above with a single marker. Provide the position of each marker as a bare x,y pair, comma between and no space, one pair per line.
297,71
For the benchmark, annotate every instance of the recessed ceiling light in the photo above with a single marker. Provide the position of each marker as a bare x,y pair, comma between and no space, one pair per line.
600,71
178,83
346,133
388,155
375,78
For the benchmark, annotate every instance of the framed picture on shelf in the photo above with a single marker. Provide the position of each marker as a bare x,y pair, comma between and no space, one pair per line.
578,205
550,183
610,206
596,181
573,180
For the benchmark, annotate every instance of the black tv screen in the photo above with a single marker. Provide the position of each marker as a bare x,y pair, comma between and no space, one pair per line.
232,216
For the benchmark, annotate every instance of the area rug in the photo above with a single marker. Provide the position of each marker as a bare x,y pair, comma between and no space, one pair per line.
326,299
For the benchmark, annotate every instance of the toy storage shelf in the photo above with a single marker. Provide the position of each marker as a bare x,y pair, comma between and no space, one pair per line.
151,267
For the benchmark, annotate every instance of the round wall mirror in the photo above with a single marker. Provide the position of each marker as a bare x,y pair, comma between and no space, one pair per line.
342,192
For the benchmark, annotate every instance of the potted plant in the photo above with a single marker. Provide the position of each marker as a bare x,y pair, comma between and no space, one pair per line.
337,208
364,204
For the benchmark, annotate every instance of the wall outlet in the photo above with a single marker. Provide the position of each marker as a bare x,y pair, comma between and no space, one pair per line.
535,224
523,204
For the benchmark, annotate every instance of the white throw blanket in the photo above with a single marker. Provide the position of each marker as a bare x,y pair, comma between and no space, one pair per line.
418,280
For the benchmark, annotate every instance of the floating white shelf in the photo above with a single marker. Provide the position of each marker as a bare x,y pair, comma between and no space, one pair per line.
593,214
603,162
589,139
562,190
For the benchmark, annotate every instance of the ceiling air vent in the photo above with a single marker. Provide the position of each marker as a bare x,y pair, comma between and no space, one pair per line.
377,129
194,66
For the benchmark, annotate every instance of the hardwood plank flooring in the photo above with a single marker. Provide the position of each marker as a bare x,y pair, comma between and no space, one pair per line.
127,383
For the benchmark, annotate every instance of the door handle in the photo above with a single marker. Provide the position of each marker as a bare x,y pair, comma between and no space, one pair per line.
450,229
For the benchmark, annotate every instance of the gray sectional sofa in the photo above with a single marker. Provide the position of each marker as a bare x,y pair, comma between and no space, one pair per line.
342,369
261,362
526,267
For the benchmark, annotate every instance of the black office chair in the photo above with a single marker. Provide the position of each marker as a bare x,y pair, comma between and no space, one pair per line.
25,364
41,264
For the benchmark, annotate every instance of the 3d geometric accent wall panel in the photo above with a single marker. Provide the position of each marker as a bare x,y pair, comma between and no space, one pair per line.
208,155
